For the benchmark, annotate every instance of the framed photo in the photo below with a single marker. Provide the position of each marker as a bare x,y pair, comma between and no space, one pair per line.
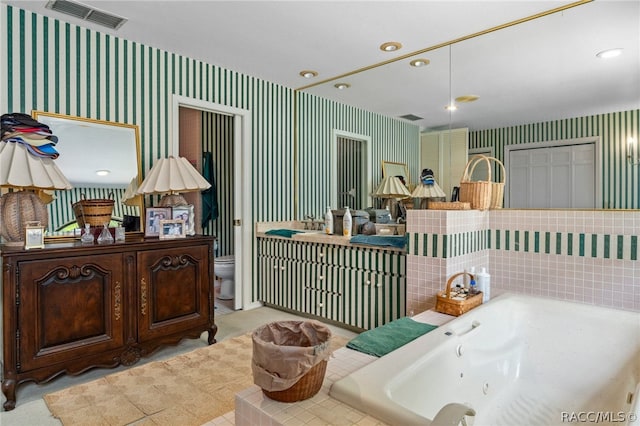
34,237
172,229
154,215
185,213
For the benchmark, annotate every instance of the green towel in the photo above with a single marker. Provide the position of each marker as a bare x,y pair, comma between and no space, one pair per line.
283,232
389,337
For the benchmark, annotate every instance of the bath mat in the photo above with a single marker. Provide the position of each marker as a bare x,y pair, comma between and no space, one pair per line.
389,337
188,389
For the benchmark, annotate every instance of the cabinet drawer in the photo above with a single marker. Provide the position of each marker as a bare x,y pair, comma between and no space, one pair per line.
70,308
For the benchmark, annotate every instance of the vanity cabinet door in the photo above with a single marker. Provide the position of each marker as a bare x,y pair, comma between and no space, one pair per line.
70,308
173,291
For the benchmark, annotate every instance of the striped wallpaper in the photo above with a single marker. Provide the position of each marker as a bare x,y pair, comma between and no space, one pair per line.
59,67
217,138
620,181
391,140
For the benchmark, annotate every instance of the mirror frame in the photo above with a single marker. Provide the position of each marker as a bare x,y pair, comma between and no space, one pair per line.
36,114
391,168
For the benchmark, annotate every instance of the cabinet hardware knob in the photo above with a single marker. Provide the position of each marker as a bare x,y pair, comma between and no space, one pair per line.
321,277
367,282
321,255
320,305
275,266
378,285
282,268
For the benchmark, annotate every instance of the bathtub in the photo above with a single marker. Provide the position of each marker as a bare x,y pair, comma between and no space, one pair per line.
517,360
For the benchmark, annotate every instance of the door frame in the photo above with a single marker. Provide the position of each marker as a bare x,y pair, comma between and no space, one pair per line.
242,199
367,200
554,144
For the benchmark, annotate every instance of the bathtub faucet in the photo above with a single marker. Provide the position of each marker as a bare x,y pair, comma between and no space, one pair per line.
453,414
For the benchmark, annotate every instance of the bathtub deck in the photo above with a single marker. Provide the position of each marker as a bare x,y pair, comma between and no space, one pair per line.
253,408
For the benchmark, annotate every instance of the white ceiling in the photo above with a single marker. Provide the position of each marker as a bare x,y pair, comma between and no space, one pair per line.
535,71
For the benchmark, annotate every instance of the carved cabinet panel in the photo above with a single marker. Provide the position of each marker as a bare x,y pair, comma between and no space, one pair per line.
173,295
69,308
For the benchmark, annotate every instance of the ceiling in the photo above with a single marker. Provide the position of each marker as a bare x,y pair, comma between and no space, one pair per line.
538,70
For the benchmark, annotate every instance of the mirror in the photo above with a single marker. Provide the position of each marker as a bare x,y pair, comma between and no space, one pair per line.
101,159
527,75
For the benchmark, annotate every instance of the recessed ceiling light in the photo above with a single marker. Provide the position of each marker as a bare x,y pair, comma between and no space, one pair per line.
308,73
341,86
451,107
390,46
467,98
609,53
419,62
103,172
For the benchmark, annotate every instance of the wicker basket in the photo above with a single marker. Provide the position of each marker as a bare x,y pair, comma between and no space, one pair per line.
305,388
95,212
441,205
446,305
497,188
478,194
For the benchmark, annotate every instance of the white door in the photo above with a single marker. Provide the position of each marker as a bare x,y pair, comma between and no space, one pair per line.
553,177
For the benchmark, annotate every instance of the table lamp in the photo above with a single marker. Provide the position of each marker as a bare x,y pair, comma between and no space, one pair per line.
28,173
425,192
391,190
170,176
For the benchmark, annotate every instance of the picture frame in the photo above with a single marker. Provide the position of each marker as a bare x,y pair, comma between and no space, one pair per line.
33,237
185,212
173,228
153,216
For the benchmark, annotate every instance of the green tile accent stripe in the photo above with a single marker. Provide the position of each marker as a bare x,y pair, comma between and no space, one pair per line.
447,246
603,246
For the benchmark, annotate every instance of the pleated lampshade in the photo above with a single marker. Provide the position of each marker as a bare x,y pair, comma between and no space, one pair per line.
428,191
22,170
391,187
171,176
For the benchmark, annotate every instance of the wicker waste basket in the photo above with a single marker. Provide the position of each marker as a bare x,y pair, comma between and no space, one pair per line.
290,359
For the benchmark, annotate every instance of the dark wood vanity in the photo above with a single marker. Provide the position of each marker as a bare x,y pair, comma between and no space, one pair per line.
68,307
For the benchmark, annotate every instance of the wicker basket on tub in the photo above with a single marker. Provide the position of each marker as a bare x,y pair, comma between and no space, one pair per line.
447,305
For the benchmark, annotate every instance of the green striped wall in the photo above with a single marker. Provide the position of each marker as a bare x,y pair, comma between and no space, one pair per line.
620,181
391,140
54,66
217,138
448,245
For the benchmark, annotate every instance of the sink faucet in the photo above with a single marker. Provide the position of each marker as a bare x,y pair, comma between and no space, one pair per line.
453,414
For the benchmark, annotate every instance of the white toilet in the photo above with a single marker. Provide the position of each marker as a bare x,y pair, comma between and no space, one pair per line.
224,268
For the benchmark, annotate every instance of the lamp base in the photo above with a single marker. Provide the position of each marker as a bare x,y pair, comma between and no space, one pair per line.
172,200
16,209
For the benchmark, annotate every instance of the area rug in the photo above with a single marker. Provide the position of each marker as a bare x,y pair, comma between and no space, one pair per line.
188,389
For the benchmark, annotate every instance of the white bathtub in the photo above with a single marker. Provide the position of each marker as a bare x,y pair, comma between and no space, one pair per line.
517,360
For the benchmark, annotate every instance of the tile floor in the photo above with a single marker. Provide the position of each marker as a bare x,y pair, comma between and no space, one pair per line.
31,409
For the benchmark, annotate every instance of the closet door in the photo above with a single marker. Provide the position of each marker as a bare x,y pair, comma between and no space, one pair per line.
553,177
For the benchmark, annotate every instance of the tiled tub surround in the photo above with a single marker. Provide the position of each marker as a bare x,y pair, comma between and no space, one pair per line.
253,408
583,256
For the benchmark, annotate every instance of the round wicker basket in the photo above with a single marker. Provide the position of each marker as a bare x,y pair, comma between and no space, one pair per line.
16,209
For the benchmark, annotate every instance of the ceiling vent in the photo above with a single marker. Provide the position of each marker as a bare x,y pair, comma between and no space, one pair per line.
87,13
411,117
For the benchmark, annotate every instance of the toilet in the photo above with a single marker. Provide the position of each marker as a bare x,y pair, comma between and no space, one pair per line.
224,268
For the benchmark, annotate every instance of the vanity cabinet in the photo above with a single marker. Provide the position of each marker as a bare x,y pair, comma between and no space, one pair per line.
357,286
68,308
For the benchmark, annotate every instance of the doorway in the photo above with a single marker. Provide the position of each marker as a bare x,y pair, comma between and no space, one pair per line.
240,218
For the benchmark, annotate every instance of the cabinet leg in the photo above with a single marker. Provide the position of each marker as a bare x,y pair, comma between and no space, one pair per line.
9,391
211,338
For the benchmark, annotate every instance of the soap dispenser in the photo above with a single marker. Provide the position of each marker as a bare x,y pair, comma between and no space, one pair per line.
347,222
484,284
328,222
